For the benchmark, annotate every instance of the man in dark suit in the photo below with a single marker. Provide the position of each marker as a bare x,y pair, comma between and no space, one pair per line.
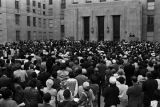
135,94
67,100
149,87
46,100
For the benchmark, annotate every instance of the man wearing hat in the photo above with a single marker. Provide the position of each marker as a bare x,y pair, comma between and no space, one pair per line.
111,93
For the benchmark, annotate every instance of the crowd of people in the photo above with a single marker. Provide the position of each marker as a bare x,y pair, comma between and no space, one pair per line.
68,73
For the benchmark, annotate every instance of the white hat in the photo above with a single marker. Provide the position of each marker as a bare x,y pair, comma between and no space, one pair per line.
116,75
85,84
84,71
112,80
113,61
49,82
32,54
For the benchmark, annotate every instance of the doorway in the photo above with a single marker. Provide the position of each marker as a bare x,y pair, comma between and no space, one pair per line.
116,27
100,20
86,28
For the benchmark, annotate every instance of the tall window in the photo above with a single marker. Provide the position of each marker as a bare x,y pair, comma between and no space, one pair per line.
0,3
34,21
44,13
62,31
17,4
75,1
17,35
44,23
50,35
50,12
44,36
34,3
1,33
151,4
28,2
28,9
39,5
50,2
29,35
44,6
50,23
88,1
102,0
39,22
40,36
150,23
63,4
34,35
34,10
17,19
28,21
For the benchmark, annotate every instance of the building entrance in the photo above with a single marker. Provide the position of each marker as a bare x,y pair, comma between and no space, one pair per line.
100,20
86,28
116,27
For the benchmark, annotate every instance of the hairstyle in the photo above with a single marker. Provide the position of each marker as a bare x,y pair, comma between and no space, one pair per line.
46,97
7,93
149,75
134,79
71,75
67,94
121,80
32,83
34,75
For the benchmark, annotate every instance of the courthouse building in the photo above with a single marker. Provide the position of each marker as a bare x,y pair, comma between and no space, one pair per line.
79,20
113,20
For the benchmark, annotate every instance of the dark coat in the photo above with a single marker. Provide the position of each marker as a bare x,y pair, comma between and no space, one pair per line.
68,104
110,95
135,96
149,87
31,96
129,72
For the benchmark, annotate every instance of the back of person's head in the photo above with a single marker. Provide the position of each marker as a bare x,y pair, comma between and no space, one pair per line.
134,79
34,75
71,74
79,70
32,83
76,61
150,64
121,80
33,104
54,74
8,61
31,66
149,75
67,94
17,66
47,97
13,60
63,66
7,93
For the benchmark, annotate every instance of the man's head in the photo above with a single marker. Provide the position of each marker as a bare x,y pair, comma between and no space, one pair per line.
67,94
47,97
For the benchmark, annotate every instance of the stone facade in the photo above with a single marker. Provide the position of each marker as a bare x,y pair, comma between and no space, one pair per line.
130,19
8,27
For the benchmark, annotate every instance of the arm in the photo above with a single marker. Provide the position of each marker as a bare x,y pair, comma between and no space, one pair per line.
93,97
76,89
